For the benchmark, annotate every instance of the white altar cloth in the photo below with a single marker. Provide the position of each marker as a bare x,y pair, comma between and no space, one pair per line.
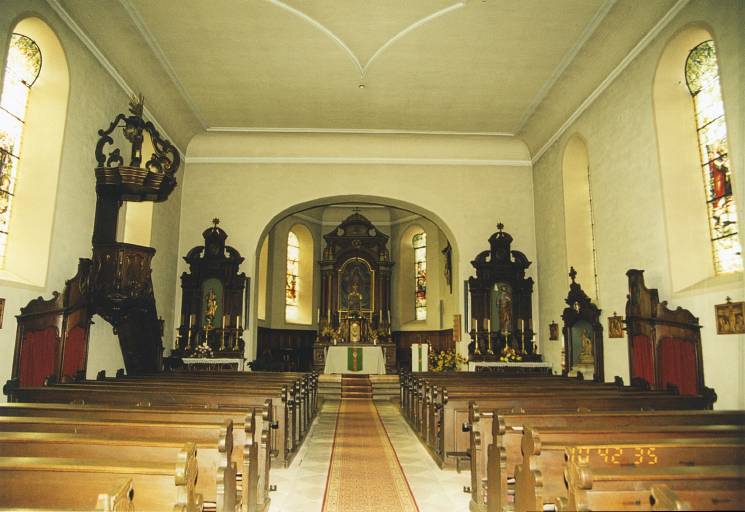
338,359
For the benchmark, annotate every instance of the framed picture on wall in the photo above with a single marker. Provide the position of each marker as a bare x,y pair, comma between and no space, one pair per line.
615,326
730,317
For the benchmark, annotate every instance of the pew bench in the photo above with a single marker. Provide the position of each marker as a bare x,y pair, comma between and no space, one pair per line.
62,483
628,487
539,478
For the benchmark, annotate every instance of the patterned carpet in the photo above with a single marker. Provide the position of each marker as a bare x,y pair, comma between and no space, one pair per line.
365,474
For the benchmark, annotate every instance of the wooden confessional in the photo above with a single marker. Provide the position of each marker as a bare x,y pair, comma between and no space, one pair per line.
664,345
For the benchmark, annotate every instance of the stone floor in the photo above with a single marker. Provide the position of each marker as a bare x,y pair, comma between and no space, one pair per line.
301,486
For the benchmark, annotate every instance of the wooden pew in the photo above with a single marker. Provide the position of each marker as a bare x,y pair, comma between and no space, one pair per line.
217,473
500,441
60,483
149,433
719,487
118,499
283,442
539,478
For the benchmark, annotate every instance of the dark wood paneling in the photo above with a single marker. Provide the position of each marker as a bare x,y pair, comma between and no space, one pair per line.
285,349
438,340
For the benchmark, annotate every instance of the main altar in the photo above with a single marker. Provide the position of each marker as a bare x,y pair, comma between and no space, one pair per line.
355,306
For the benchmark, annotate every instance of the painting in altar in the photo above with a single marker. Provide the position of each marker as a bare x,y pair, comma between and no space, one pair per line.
501,308
583,343
356,286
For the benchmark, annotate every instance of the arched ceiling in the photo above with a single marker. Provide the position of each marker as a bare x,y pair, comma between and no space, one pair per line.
468,66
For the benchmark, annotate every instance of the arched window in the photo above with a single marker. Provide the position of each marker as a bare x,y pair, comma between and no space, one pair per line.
419,242
299,275
292,287
578,219
23,66
702,79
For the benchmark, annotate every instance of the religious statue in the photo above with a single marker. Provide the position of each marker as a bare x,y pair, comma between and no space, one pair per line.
586,356
211,309
354,298
505,309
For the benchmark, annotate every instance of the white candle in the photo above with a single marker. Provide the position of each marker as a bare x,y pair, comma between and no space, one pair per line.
238,321
224,319
488,324
191,321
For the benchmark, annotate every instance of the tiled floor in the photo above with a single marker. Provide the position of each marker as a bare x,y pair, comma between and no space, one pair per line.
301,486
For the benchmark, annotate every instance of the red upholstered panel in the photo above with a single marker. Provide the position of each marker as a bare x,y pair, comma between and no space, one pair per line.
643,364
677,361
74,356
38,356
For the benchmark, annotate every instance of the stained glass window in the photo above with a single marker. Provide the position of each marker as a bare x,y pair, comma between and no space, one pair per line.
420,266
702,78
22,68
293,268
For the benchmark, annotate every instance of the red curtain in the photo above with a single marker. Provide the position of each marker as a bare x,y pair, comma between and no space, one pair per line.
38,356
678,365
641,357
74,355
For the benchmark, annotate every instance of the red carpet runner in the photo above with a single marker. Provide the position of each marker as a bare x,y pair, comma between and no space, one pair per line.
364,475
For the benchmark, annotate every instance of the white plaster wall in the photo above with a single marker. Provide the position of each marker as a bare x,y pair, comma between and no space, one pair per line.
630,228
94,100
466,201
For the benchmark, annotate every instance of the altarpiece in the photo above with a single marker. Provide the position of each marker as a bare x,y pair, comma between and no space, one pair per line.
355,305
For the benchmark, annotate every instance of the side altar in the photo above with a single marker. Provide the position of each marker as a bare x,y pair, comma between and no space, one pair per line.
355,306
501,304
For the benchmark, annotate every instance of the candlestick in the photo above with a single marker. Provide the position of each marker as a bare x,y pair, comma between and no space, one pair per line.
489,349
477,350
222,336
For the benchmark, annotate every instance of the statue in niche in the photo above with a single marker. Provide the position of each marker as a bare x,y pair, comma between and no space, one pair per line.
355,297
505,308
586,356
211,309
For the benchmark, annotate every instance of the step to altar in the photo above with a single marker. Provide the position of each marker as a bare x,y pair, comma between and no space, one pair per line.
384,387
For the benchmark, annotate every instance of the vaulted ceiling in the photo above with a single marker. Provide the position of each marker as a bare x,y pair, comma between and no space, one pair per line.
473,66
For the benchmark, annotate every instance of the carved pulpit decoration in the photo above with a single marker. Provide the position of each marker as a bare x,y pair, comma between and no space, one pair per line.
355,288
501,302
583,333
120,287
212,297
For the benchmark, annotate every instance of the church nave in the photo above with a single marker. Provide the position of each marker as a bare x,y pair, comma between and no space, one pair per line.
302,486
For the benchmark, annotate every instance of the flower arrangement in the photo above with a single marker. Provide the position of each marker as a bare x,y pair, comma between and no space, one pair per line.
509,355
203,350
445,361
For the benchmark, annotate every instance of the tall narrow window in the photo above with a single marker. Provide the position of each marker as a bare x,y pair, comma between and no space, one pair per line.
293,270
420,266
23,65
702,78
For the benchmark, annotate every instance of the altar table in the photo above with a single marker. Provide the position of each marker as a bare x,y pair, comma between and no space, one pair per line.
341,359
